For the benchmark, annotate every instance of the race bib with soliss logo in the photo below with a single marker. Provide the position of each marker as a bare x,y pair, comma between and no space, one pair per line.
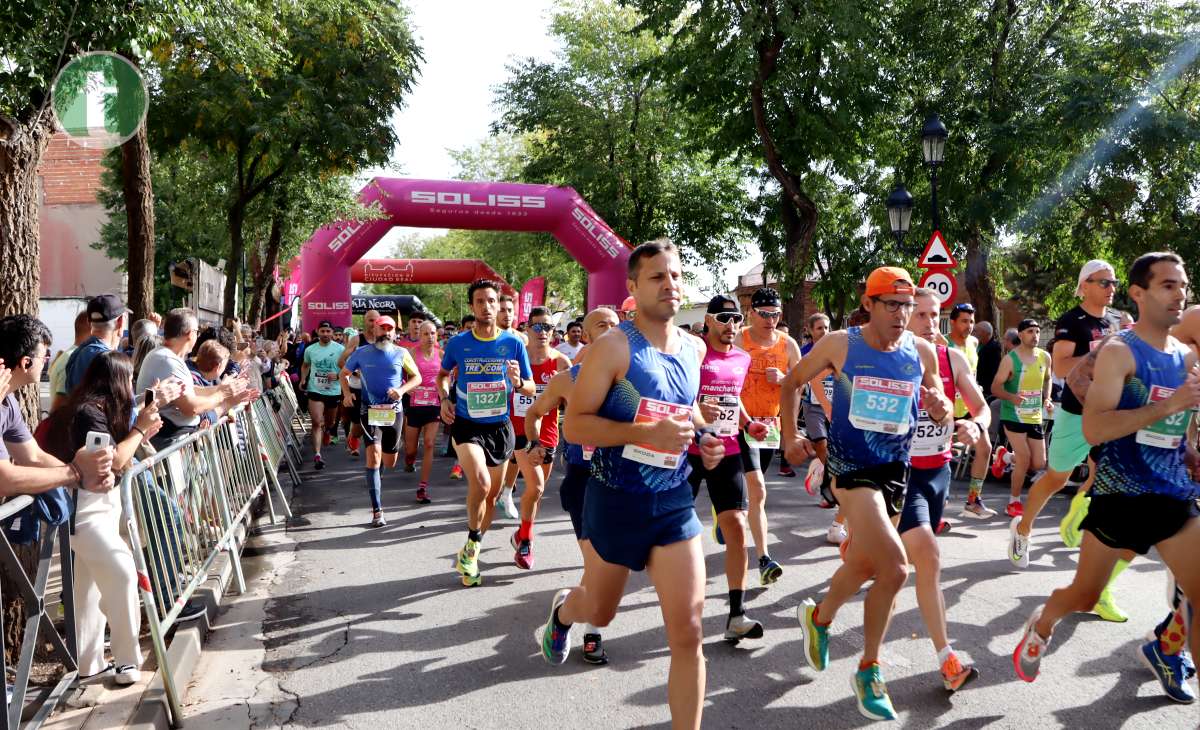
881,404
487,399
651,411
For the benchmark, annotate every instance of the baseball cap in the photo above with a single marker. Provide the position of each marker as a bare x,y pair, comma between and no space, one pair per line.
629,305
325,323
765,297
386,322
105,308
1026,324
889,280
722,303
1091,267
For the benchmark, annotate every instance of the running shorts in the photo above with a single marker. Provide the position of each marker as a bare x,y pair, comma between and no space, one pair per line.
421,416
925,498
890,479
624,527
1068,448
754,459
726,482
386,437
330,401
1030,430
816,424
1137,522
496,439
571,491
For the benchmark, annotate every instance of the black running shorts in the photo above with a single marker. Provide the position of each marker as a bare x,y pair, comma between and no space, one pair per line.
496,439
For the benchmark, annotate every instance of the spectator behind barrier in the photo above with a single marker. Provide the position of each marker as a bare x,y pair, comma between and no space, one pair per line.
146,345
108,316
182,416
207,368
105,577
24,467
58,369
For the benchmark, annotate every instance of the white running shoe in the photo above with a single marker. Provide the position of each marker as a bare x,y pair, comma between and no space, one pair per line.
1018,545
506,503
836,534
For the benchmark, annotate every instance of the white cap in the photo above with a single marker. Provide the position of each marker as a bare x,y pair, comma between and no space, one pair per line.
1090,268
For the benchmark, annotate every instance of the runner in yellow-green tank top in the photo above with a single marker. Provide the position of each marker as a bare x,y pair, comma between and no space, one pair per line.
1023,386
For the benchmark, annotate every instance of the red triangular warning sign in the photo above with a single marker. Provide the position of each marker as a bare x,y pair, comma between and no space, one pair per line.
937,253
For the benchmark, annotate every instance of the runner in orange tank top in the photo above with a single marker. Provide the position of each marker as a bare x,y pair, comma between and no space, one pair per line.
772,355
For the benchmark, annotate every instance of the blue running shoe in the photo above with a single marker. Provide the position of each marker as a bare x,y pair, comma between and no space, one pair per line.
872,695
815,636
1170,671
555,643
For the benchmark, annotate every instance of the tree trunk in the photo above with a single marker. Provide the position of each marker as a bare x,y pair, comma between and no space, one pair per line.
979,284
139,212
264,278
799,225
233,264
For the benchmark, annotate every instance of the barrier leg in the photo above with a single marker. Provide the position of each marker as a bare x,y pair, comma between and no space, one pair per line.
287,511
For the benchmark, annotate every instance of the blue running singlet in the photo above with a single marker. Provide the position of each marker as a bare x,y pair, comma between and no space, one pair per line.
1149,461
654,384
573,454
875,399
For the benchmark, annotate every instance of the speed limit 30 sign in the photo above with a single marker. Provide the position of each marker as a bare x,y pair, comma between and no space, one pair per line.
941,282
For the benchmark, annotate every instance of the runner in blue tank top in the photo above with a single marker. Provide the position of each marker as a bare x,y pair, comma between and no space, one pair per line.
881,373
635,400
491,365
1139,410
578,459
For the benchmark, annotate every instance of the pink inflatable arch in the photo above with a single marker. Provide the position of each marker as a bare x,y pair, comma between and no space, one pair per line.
328,256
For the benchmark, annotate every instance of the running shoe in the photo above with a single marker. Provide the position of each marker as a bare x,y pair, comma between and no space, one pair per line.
1027,658
956,675
942,528
826,504
836,534
126,674
523,556
456,472
352,443
409,466
1068,529
1170,671
1000,462
1018,545
377,519
815,636
1015,508
812,481
331,440
593,650
768,570
977,510
506,504
718,536
467,563
786,471
423,493
872,695
1107,608
742,627
326,438
318,462
555,642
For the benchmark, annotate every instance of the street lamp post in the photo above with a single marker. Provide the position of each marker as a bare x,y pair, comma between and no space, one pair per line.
933,144
899,207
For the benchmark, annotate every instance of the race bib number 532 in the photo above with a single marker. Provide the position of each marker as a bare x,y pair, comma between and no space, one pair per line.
881,404
1170,431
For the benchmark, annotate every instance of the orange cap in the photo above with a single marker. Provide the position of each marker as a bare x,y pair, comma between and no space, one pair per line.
385,322
889,280
629,305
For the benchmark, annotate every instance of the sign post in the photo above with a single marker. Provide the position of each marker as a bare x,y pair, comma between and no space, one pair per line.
939,263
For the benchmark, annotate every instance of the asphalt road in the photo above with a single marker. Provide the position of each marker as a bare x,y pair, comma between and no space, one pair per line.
347,626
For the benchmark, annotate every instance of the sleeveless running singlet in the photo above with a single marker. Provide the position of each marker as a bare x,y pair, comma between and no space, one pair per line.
426,394
760,397
1150,461
970,350
874,405
931,442
574,453
1027,381
721,377
519,406
656,385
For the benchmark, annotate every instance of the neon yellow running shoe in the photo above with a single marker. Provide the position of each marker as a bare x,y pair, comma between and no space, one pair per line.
1068,529
1107,609
718,537
467,563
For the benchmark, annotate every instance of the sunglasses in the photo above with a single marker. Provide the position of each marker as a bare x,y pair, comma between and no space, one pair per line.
727,317
768,315
541,327
1105,283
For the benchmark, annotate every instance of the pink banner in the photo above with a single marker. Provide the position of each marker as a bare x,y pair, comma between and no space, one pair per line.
324,264
533,294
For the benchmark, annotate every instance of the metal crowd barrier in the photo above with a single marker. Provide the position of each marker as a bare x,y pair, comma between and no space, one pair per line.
183,508
38,621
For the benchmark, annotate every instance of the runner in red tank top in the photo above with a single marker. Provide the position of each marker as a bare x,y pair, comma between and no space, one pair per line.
545,362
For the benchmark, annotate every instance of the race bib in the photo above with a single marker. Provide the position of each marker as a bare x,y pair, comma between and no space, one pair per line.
424,395
727,420
522,402
487,399
587,452
771,440
326,378
1170,431
881,404
651,411
930,439
1030,410
383,414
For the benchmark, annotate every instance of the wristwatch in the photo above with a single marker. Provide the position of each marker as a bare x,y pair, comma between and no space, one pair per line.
532,445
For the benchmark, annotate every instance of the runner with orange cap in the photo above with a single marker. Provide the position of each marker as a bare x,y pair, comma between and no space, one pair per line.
882,373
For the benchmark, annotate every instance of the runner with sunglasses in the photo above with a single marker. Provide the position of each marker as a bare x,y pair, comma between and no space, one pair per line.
1077,338
772,355
882,373
534,454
